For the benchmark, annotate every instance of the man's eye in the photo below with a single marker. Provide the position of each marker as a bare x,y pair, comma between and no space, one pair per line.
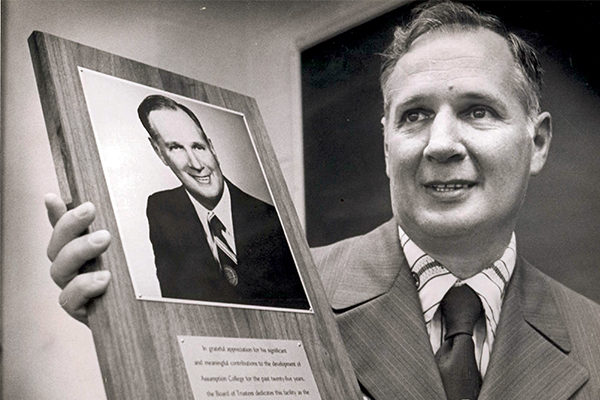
479,113
414,116
174,147
198,147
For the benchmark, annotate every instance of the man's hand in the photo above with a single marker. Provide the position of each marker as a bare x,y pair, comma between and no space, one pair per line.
68,250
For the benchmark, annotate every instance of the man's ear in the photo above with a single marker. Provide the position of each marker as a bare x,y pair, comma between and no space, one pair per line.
157,150
542,136
212,149
385,147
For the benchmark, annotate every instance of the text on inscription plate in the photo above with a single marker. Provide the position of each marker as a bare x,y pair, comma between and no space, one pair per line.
234,368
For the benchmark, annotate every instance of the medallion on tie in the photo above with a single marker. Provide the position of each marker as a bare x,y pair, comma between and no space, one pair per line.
230,275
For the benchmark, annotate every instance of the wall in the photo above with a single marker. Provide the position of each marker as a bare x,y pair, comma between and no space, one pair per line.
249,47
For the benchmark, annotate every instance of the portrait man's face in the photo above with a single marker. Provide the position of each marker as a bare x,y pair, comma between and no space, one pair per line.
459,144
184,148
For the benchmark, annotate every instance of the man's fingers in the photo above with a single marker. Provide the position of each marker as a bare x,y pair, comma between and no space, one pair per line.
55,207
69,226
69,250
80,290
75,253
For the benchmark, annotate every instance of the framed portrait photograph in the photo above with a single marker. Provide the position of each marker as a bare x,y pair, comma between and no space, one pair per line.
214,292
195,213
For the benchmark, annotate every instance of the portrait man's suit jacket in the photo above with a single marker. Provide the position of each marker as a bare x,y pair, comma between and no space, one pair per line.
547,344
185,265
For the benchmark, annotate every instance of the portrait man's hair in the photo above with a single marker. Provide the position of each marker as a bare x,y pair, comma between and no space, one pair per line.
449,17
158,102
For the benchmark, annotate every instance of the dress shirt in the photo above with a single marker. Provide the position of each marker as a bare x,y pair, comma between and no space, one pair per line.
433,280
223,211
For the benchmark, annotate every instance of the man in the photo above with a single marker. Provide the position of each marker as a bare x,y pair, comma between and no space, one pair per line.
212,241
435,303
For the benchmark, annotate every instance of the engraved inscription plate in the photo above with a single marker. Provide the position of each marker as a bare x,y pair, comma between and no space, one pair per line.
234,368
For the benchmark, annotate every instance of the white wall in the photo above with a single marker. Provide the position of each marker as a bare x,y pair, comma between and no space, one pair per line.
248,47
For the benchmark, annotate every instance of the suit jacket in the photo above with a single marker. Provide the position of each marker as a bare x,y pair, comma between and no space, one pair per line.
185,265
547,344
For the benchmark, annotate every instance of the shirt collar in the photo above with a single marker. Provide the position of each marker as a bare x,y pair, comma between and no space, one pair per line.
222,210
433,280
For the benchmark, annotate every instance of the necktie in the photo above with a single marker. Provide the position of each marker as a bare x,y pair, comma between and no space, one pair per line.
461,308
227,258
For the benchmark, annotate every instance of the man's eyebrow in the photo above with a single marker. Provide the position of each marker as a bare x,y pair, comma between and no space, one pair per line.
483,97
399,108
411,100
194,143
486,98
406,103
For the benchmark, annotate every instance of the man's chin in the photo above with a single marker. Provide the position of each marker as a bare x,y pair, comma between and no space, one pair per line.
445,226
205,193
449,230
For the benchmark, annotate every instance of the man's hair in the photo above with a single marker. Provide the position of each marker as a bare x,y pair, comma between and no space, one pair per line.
448,16
158,102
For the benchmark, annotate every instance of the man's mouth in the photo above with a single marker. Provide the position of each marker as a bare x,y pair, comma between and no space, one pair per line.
201,179
450,186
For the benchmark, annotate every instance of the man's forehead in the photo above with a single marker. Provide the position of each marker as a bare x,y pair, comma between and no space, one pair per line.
453,59
168,115
458,43
174,125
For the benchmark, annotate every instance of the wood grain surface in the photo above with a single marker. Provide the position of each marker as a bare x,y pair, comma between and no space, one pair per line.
136,341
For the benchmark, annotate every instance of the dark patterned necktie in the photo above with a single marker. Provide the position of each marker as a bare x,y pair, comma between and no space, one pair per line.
461,308
227,258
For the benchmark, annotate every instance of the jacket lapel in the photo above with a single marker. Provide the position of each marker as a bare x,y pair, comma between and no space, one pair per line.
379,314
185,218
239,214
381,321
530,356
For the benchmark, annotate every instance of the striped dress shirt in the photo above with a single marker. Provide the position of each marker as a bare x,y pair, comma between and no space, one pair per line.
433,280
223,211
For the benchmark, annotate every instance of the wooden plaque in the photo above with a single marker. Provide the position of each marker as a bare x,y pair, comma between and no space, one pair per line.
138,332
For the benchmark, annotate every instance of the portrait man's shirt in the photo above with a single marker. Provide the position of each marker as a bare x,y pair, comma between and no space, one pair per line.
223,211
433,281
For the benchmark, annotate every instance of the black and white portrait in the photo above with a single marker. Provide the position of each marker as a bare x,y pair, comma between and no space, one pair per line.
195,214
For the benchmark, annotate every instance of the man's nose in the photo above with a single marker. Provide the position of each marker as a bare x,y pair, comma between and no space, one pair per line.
444,142
192,160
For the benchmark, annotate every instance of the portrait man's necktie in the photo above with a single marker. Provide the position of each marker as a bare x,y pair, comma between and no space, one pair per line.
227,258
461,308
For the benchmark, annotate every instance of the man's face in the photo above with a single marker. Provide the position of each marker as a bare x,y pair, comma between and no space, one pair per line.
184,148
459,145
